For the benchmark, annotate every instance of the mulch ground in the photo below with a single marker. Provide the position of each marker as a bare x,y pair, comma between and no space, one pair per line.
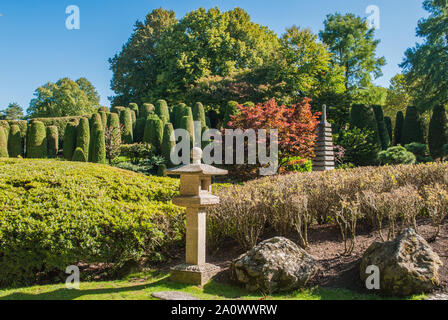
336,270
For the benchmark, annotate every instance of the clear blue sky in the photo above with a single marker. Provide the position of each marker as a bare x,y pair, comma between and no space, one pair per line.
36,47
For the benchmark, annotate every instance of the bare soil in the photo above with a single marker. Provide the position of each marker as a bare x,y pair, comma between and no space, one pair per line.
336,270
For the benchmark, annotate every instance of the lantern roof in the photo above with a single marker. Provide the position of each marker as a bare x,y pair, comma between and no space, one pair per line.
197,167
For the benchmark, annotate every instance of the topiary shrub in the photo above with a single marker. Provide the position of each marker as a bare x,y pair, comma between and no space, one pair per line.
413,127
396,155
398,131
134,107
52,141
177,114
126,122
15,142
3,144
360,146
69,141
438,132
199,114
384,135
378,111
188,124
83,136
103,116
388,122
162,111
79,155
117,109
154,133
133,119
147,110
363,117
168,143
99,147
36,146
139,129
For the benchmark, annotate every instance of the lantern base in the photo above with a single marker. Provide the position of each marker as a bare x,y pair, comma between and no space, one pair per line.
197,275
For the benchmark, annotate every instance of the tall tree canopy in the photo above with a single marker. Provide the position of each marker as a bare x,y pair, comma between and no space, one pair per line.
12,112
398,96
353,46
64,98
213,57
426,65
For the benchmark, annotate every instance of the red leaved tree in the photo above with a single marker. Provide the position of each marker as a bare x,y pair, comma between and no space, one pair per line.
296,126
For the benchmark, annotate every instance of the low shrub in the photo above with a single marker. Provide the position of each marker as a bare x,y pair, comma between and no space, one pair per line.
54,214
397,195
136,152
396,155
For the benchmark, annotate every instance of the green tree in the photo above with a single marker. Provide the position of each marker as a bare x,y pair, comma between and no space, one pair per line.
353,46
398,96
165,57
63,98
438,132
426,65
12,112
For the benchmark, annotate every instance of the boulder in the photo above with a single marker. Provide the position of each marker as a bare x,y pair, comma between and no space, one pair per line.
407,265
274,265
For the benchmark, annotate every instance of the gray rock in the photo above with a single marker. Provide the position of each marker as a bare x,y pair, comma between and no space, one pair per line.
274,265
173,295
407,265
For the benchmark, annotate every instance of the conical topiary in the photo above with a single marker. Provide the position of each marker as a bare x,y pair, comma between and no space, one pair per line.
99,147
378,111
384,135
36,140
69,141
133,119
199,114
15,142
188,124
154,133
162,111
83,136
168,142
103,116
388,122
438,132
147,110
52,141
413,127
134,107
3,144
398,131
178,113
79,155
126,122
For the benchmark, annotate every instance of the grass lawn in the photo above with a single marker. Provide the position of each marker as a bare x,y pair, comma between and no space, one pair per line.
140,286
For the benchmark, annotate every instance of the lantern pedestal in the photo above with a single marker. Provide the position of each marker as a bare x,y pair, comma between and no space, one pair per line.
197,275
195,196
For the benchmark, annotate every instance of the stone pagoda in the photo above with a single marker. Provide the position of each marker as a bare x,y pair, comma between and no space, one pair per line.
195,196
324,153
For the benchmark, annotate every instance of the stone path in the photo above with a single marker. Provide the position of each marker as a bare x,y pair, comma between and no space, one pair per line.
438,296
173,295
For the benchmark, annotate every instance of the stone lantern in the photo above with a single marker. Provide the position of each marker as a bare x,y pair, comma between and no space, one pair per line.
196,196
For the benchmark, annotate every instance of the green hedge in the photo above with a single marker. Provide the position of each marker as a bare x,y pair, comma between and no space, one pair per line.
99,148
52,141
69,141
54,214
36,145
15,142
126,122
61,123
3,144
83,136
